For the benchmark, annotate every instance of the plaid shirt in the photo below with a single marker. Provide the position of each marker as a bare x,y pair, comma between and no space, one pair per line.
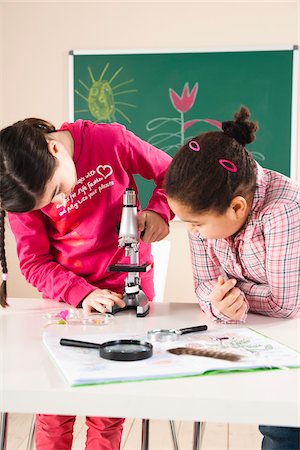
264,257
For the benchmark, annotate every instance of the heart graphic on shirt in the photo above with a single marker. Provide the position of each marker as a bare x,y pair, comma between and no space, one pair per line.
104,171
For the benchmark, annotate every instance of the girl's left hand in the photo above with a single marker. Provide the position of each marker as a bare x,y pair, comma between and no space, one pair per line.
152,226
228,300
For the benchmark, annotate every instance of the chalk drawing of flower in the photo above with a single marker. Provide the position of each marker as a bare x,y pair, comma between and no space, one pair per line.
183,103
186,101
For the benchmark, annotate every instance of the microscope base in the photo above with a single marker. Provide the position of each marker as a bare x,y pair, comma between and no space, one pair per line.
133,301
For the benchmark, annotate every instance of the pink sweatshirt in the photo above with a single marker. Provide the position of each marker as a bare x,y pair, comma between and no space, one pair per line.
65,251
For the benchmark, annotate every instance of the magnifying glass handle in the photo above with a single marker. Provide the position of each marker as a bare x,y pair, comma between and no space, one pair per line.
74,343
193,329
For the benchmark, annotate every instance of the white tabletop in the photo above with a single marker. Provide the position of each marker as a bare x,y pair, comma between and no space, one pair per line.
30,382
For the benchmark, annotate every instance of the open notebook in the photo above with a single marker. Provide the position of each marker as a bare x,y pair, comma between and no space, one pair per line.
84,366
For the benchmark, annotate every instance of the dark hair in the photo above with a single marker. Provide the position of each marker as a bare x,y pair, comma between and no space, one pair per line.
25,168
3,288
197,179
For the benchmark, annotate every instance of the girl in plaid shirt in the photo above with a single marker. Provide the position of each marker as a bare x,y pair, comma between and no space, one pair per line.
243,221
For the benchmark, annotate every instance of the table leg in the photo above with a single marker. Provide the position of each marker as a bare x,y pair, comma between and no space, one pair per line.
3,430
197,436
145,434
174,437
30,441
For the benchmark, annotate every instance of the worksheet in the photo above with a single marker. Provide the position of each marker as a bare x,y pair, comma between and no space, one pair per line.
81,366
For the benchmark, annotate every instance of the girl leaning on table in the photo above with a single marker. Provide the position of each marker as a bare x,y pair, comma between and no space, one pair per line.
63,190
243,219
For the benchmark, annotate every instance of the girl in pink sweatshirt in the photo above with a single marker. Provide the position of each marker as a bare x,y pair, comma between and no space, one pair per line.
63,190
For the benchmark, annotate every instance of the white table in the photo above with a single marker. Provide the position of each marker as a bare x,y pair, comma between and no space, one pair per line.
31,383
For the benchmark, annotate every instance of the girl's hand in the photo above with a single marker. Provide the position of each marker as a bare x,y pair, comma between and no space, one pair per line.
228,300
152,226
99,299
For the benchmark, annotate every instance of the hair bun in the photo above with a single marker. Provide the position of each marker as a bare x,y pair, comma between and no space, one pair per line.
241,129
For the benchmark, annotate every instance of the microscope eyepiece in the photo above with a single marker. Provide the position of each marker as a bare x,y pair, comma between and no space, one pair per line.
129,197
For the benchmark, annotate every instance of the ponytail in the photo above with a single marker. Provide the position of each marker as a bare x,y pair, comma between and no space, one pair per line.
43,125
3,287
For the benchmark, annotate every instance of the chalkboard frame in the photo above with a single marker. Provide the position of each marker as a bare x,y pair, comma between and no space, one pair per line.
295,71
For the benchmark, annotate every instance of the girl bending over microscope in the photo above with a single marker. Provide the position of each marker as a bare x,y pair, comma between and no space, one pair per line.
245,220
64,190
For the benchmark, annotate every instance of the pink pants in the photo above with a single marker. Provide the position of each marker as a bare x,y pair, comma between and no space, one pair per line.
56,432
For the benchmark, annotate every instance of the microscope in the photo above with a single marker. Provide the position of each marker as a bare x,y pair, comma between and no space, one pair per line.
134,297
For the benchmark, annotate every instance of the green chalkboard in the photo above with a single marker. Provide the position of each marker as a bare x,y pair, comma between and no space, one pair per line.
165,98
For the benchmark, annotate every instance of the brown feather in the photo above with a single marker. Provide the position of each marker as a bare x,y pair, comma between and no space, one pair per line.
204,352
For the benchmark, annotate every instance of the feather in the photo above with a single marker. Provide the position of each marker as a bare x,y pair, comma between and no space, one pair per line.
205,352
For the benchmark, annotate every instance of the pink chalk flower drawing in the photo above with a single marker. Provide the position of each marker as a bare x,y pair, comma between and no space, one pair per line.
183,103
186,101
172,140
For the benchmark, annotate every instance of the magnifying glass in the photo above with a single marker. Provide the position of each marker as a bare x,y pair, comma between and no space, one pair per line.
118,350
169,335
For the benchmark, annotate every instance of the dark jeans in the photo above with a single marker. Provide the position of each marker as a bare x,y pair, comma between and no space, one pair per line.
280,438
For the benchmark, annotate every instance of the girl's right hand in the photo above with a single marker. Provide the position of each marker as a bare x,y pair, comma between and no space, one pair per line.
228,300
99,299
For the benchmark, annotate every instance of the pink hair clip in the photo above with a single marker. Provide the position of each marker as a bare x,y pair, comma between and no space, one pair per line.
194,145
228,165
4,276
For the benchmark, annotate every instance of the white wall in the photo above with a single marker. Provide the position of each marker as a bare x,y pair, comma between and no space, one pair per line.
37,37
